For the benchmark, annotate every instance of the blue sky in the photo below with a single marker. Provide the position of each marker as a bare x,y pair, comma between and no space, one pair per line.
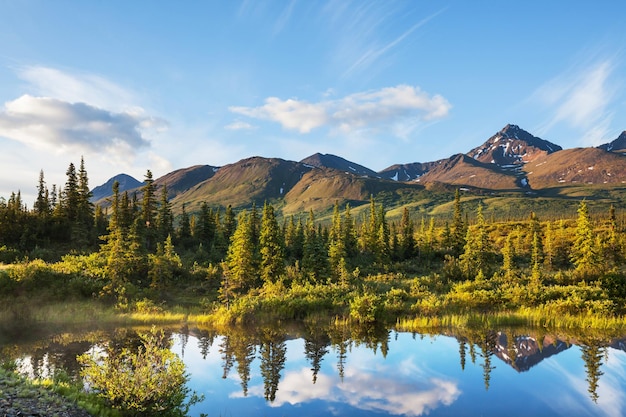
161,85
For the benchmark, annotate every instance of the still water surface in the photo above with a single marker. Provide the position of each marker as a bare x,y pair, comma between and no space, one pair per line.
385,373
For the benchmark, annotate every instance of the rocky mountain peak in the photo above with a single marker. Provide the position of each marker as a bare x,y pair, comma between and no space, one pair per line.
512,146
617,145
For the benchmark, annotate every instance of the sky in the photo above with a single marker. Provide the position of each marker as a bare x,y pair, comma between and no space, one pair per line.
162,85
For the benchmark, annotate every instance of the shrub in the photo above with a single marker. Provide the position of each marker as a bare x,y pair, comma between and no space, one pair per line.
365,308
151,381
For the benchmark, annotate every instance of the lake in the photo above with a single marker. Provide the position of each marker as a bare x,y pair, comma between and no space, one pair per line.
315,370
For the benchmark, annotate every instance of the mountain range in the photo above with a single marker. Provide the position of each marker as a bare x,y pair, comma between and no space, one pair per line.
511,162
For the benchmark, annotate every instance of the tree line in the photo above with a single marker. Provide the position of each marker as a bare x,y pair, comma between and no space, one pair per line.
141,244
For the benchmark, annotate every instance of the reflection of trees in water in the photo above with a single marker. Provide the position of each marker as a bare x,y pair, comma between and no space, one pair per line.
340,340
273,352
521,349
205,341
316,342
592,354
487,347
244,350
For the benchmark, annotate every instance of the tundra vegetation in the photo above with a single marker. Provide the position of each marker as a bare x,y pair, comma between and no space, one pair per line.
222,266
135,260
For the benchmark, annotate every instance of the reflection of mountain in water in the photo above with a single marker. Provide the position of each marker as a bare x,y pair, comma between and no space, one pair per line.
526,352
619,344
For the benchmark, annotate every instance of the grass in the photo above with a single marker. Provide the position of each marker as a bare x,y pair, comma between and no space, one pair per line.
538,317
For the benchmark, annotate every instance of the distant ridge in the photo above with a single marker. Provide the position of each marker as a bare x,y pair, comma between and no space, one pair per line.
319,160
125,181
511,162
618,145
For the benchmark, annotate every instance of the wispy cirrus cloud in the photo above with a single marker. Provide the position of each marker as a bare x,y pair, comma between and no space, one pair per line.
374,53
239,125
76,87
391,106
581,100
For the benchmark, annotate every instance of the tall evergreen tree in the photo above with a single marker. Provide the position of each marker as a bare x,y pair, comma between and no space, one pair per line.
459,227
165,218
315,253
85,206
70,196
241,266
148,213
184,230
584,253
349,233
382,239
271,246
229,222
294,239
508,257
336,243
407,238
474,259
42,204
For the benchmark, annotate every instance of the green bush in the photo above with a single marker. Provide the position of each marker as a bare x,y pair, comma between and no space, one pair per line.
151,381
365,308
8,255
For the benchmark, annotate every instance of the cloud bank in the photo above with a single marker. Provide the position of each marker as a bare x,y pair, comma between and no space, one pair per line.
50,123
64,111
388,107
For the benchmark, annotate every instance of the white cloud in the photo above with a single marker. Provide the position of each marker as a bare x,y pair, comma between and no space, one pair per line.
50,123
389,106
365,391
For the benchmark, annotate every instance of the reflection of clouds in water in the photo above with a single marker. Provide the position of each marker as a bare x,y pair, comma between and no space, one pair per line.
366,391
575,400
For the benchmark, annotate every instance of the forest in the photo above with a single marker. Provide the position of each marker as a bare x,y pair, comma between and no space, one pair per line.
224,266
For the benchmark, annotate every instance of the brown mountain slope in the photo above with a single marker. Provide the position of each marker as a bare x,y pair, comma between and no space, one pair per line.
576,166
182,179
320,188
240,184
461,170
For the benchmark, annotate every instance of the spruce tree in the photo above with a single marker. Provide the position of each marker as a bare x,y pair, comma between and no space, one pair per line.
458,231
70,196
407,238
315,253
148,213
184,230
474,259
242,268
42,204
584,253
165,218
508,257
271,246
85,206
336,243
